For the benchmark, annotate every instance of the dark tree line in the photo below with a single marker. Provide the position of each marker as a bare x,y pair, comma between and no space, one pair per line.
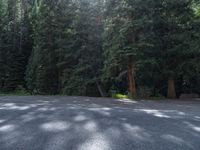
96,47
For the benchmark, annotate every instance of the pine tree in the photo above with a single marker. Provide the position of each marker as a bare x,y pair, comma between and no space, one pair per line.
71,46
13,53
173,29
2,44
42,71
125,38
85,56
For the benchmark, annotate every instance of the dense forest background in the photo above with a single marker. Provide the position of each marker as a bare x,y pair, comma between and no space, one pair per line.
141,48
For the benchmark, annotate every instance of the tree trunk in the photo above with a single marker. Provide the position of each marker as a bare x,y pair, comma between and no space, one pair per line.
171,93
101,90
131,80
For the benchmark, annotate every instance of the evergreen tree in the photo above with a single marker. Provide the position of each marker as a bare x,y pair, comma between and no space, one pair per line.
125,39
67,46
173,30
2,44
85,52
42,72
14,52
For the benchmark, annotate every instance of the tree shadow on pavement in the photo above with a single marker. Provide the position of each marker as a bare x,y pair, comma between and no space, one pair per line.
74,123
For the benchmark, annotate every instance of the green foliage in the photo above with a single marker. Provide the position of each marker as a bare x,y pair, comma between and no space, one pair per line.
20,91
85,47
67,60
42,70
120,96
15,43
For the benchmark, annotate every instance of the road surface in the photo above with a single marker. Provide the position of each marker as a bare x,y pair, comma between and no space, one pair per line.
82,123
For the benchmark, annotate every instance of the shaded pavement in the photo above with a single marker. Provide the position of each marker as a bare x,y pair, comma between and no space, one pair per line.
82,123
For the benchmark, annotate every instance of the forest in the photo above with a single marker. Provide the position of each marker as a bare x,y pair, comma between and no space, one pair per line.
139,48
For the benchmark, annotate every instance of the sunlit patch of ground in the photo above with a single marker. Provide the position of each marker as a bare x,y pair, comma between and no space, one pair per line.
80,123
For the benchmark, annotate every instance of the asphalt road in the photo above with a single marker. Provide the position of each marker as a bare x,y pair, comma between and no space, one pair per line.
82,123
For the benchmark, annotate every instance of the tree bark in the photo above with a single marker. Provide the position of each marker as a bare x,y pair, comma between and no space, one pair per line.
101,90
171,93
131,80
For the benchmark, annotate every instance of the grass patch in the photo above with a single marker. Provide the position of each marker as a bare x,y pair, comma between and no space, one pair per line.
120,96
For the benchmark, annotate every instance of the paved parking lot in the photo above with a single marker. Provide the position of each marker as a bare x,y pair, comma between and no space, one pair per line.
82,123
